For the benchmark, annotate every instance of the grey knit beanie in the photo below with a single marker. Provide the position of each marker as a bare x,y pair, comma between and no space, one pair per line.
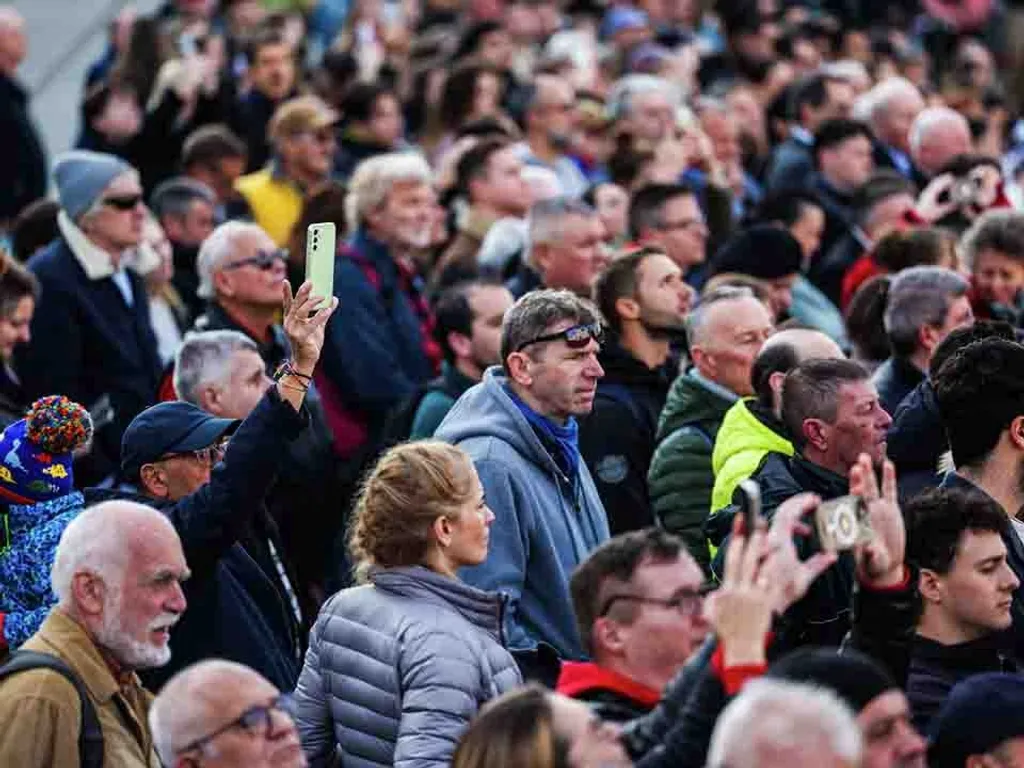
81,176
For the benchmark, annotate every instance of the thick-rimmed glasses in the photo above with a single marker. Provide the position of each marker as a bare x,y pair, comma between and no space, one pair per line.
688,602
257,721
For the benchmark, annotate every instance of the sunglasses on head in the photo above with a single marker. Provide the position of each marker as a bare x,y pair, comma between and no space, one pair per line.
576,337
123,202
262,260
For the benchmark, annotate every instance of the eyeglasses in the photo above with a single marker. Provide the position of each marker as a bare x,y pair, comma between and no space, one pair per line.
687,602
123,203
576,337
211,454
257,721
668,226
262,260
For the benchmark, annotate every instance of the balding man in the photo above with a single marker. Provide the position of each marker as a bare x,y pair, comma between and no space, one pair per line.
24,170
891,108
220,714
753,427
117,575
726,331
549,121
937,135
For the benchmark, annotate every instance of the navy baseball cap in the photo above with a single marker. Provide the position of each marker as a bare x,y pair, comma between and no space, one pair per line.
173,427
980,713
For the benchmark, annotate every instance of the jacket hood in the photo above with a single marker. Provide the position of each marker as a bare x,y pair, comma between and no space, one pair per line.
483,609
486,410
743,430
691,400
621,367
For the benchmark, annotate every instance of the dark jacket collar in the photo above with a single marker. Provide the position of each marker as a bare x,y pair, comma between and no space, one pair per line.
621,367
274,352
986,654
815,478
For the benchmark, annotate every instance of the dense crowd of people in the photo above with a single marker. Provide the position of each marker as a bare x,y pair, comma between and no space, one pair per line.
668,409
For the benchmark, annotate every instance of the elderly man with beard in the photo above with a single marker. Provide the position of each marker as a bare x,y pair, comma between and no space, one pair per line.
644,301
219,714
380,345
117,575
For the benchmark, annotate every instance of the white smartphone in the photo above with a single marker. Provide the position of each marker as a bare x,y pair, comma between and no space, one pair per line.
320,250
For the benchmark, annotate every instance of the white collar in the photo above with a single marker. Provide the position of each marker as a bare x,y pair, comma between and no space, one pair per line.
94,260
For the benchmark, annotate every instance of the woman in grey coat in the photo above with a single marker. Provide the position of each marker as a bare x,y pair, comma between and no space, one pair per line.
398,666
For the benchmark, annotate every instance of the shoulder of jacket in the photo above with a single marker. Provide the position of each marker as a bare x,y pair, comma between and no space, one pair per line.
43,686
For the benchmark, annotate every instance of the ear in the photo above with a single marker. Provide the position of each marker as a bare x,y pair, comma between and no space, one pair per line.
929,584
460,344
627,308
153,481
540,255
222,283
609,636
817,434
443,531
519,368
1017,433
375,217
208,398
88,592
702,360
928,337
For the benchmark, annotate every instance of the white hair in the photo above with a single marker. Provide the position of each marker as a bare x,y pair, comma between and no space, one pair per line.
216,249
373,179
180,713
773,721
620,99
873,104
206,358
928,120
99,541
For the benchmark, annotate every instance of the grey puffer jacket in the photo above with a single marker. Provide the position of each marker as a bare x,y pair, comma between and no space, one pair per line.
397,668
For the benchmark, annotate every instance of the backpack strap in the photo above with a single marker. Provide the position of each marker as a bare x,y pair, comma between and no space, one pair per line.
90,735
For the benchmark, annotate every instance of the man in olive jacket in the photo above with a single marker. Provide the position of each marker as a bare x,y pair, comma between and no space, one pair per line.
726,332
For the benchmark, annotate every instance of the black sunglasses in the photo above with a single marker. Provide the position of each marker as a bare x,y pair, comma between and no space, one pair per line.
576,337
124,203
256,720
262,260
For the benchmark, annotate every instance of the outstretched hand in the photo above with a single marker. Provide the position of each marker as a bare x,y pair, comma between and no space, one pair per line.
880,561
304,325
936,201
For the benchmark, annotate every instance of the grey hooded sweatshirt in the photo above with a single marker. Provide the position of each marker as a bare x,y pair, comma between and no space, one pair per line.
545,523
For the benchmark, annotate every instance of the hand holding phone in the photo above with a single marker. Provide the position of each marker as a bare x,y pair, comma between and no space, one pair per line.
750,504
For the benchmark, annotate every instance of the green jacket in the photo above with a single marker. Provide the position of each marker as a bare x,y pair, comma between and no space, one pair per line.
680,478
741,445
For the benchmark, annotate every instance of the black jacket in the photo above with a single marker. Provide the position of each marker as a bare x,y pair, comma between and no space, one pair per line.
523,281
894,380
936,668
88,344
822,617
916,441
237,605
617,439
830,266
250,118
23,161
308,498
790,167
838,208
1015,558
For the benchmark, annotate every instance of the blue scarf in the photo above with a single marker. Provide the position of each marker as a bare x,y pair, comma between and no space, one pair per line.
563,439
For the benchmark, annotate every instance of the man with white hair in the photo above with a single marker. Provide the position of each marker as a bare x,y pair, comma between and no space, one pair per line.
937,135
775,723
23,171
117,575
564,248
380,345
644,106
890,109
220,714
92,336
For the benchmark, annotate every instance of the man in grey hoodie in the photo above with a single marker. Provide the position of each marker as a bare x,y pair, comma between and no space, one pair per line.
519,427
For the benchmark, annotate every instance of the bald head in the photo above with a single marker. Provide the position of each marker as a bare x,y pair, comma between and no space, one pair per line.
937,136
118,571
205,697
781,354
12,40
726,331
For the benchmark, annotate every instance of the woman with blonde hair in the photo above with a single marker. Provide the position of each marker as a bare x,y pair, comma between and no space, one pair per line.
398,666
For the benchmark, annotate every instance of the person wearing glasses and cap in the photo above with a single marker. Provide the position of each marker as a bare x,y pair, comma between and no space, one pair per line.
220,714
519,427
244,604
92,339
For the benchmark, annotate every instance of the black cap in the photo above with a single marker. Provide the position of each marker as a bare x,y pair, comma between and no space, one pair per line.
857,679
764,251
165,428
979,714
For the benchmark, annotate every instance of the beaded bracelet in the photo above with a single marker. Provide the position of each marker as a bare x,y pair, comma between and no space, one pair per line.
287,369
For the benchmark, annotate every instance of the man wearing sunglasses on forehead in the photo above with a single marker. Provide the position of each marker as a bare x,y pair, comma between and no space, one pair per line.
92,337
519,427
219,714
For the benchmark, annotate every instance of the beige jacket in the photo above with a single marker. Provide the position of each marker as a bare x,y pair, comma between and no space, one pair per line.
40,714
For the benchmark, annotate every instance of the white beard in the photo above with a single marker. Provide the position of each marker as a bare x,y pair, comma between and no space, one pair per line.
129,652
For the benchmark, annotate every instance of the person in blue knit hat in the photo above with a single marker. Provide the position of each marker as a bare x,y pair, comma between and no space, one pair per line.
37,483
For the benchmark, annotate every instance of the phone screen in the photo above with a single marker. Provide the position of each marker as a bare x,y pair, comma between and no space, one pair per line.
320,250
